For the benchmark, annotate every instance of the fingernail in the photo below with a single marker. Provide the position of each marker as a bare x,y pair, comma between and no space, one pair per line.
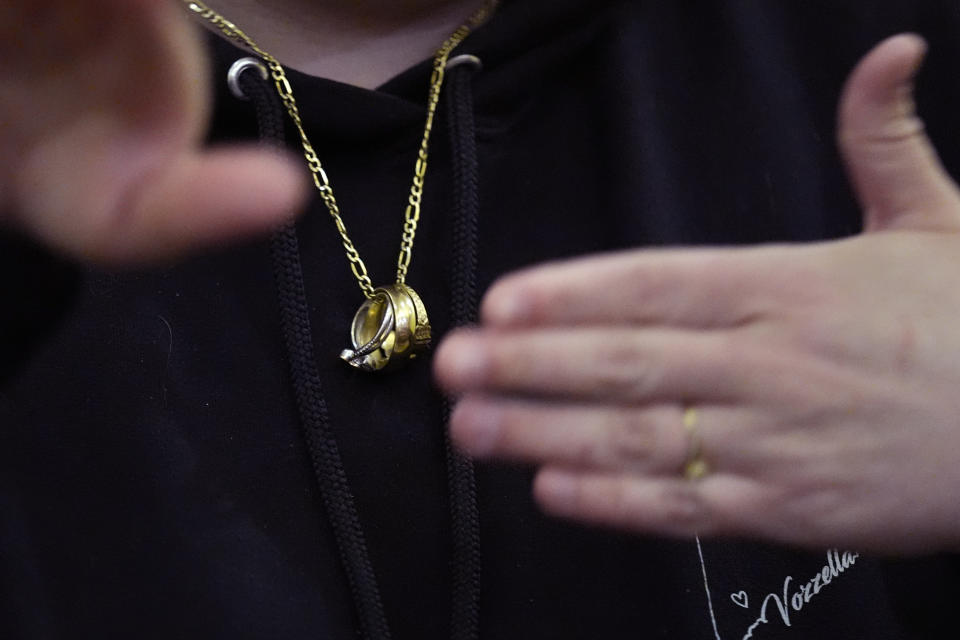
505,306
462,362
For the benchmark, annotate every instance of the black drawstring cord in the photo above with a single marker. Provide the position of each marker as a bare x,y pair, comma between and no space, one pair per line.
295,323
464,513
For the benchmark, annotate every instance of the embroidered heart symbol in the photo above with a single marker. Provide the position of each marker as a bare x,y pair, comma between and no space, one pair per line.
740,599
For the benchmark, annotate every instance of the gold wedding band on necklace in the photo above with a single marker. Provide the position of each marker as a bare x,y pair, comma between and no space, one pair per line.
388,330
391,327
695,467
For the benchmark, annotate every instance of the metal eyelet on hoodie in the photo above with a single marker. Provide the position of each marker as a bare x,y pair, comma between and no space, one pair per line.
467,59
237,69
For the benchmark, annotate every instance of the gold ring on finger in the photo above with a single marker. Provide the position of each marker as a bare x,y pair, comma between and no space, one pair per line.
695,466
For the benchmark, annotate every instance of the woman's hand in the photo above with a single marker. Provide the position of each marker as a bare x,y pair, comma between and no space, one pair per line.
825,377
103,104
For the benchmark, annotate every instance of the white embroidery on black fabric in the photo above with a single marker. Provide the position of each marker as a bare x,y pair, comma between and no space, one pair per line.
706,588
740,599
785,602
837,563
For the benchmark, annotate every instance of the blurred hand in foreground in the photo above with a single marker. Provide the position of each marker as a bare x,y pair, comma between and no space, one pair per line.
103,105
825,377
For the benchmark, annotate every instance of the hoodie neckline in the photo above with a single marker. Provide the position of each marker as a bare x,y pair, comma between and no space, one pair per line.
520,41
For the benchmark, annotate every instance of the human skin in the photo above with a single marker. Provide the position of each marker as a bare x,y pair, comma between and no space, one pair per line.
105,103
359,42
824,375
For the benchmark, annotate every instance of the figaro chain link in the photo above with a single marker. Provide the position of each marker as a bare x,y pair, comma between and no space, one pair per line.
319,175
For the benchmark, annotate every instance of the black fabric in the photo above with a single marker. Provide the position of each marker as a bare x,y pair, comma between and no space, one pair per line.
38,289
153,479
324,452
334,486
464,515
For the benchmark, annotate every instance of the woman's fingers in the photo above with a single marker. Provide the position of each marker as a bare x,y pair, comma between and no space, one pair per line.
647,440
893,165
636,439
616,364
719,504
678,288
121,204
106,104
823,376
203,199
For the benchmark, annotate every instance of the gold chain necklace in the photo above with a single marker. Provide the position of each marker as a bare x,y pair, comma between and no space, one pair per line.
391,327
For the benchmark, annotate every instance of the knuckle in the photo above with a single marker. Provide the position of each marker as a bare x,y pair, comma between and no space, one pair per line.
625,372
894,131
590,452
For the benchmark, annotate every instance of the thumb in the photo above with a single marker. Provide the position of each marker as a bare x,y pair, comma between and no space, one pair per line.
892,164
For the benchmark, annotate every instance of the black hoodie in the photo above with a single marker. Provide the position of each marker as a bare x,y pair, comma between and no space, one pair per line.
155,481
